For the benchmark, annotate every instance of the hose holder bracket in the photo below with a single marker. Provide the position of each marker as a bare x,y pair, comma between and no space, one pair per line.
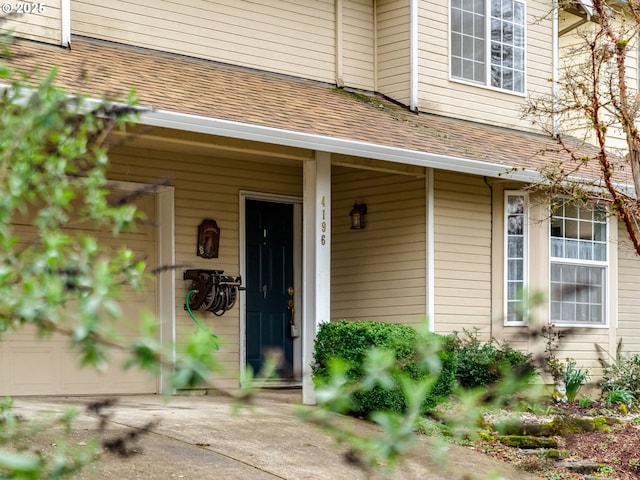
212,291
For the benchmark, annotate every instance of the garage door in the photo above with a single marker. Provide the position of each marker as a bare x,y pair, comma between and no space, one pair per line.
29,366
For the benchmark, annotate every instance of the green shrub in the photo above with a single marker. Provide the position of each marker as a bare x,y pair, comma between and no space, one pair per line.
352,341
621,374
481,364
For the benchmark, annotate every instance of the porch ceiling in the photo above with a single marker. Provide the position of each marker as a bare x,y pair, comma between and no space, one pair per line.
212,90
191,143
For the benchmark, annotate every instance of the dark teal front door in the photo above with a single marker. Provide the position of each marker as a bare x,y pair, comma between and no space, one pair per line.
269,256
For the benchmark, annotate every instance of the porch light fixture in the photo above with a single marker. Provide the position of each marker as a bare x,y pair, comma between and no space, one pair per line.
357,214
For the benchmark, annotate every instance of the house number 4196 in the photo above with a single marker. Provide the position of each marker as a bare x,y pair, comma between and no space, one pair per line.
323,224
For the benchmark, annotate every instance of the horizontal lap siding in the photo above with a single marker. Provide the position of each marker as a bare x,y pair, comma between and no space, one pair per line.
294,37
628,295
580,345
357,25
43,27
206,187
462,208
378,273
393,49
439,95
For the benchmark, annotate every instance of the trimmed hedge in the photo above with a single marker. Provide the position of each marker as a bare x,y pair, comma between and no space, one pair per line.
350,341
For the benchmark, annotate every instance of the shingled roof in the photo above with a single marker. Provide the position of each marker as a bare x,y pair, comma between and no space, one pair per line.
213,90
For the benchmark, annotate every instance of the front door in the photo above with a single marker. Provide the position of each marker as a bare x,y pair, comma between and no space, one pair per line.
269,278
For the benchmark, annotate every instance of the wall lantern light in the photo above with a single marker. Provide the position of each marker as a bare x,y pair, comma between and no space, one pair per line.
357,214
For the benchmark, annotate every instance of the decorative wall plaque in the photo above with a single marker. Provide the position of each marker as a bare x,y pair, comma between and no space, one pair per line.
208,239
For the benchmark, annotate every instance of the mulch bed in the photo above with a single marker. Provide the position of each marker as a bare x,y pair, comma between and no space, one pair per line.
616,448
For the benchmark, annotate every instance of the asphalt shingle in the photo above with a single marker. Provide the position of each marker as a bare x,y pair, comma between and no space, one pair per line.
210,89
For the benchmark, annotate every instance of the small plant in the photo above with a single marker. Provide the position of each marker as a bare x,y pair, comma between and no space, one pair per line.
553,365
574,378
585,401
567,373
605,470
619,396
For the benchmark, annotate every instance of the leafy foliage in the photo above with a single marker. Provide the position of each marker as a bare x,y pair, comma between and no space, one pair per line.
620,374
53,175
481,364
367,350
574,377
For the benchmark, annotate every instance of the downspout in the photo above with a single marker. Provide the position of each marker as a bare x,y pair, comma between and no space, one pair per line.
65,23
555,66
413,42
375,45
338,40
430,248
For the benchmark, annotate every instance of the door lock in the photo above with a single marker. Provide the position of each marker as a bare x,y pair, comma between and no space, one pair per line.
293,328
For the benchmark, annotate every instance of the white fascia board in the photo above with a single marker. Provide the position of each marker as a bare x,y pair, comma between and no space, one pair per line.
290,138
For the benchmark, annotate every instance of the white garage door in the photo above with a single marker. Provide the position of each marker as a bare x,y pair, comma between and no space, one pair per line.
29,366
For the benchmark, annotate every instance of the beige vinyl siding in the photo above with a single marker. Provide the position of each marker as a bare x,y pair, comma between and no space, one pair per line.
357,44
462,230
294,37
43,27
207,187
580,345
439,95
628,295
378,273
393,49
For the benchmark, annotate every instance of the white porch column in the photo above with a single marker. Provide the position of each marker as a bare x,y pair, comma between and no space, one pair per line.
316,260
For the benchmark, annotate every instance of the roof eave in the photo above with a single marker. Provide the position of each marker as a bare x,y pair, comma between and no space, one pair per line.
291,138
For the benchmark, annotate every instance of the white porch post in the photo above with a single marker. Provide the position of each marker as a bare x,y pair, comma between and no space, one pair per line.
316,263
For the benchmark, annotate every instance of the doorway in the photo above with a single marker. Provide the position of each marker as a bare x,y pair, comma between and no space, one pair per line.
272,277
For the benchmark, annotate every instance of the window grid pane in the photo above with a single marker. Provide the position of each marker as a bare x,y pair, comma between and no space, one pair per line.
577,293
515,228
507,44
577,290
467,38
579,233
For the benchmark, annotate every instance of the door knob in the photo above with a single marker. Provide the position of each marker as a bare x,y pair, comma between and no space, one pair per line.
290,291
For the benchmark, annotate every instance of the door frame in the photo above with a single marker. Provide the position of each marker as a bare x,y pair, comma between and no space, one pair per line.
296,201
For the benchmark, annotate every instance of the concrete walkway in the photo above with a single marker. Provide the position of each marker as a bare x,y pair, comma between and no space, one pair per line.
198,437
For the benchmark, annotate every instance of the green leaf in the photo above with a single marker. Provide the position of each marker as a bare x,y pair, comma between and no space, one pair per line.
23,463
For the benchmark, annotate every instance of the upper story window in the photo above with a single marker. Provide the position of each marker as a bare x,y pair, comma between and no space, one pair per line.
578,268
488,43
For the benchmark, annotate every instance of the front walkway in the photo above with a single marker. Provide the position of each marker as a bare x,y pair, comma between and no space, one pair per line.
198,437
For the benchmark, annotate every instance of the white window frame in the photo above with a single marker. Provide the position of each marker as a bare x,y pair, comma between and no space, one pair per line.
487,52
525,257
604,265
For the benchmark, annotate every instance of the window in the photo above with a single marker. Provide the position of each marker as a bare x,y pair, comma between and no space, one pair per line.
578,269
516,247
499,61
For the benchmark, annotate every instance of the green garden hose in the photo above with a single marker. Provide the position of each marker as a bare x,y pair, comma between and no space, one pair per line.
195,320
